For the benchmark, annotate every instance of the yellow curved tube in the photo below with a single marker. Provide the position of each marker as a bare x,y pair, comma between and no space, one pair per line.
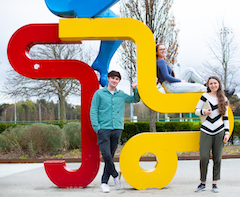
136,31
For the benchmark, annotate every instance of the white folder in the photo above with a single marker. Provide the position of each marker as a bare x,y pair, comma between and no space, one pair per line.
205,106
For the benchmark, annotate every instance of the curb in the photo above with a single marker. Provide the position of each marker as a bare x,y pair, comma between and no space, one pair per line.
116,159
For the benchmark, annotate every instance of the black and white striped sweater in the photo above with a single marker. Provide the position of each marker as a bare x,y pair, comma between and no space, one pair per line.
214,123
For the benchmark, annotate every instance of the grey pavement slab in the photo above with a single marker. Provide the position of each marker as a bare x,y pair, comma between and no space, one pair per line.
18,180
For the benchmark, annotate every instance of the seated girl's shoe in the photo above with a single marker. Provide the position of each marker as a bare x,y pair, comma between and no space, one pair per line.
229,93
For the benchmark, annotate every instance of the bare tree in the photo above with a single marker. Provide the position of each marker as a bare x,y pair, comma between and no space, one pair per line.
20,86
223,61
158,17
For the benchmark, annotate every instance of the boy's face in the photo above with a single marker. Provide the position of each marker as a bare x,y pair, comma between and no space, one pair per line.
113,81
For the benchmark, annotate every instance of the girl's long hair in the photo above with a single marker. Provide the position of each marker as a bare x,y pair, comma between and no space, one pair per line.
157,45
220,95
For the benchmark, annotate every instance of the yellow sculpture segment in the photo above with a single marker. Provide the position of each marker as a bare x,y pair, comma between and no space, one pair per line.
136,31
162,145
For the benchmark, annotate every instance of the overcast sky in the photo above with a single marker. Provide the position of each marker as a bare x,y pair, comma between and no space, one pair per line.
198,20
195,19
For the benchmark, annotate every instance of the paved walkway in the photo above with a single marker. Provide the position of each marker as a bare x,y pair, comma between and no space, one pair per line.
30,180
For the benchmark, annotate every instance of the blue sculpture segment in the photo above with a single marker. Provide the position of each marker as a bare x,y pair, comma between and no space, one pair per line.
90,9
79,8
101,63
106,52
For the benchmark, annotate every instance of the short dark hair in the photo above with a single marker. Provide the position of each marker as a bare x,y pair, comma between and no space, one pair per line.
114,73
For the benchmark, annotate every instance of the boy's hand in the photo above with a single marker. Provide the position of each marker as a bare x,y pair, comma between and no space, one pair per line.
134,85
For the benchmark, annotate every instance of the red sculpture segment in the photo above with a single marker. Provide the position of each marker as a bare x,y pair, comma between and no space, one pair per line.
18,48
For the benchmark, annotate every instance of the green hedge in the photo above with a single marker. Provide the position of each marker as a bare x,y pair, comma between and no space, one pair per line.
236,129
131,128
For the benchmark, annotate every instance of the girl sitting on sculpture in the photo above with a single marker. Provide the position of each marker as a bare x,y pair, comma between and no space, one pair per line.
170,83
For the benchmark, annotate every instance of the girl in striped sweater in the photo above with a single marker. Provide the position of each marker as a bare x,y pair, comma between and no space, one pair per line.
214,130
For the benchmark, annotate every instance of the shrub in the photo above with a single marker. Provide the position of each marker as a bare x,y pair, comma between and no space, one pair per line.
177,126
236,130
160,126
131,129
143,126
73,135
9,142
196,126
60,124
33,139
3,127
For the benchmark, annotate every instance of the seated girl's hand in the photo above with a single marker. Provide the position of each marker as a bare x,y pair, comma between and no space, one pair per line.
183,81
207,112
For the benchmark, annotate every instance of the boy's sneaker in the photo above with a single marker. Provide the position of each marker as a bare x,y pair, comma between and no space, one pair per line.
105,188
117,181
201,187
215,188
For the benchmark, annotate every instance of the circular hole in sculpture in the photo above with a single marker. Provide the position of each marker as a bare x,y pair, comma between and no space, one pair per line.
148,161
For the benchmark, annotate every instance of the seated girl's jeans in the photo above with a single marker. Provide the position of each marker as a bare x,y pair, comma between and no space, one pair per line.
180,87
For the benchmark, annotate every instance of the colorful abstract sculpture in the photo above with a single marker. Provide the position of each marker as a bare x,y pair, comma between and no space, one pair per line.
111,31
